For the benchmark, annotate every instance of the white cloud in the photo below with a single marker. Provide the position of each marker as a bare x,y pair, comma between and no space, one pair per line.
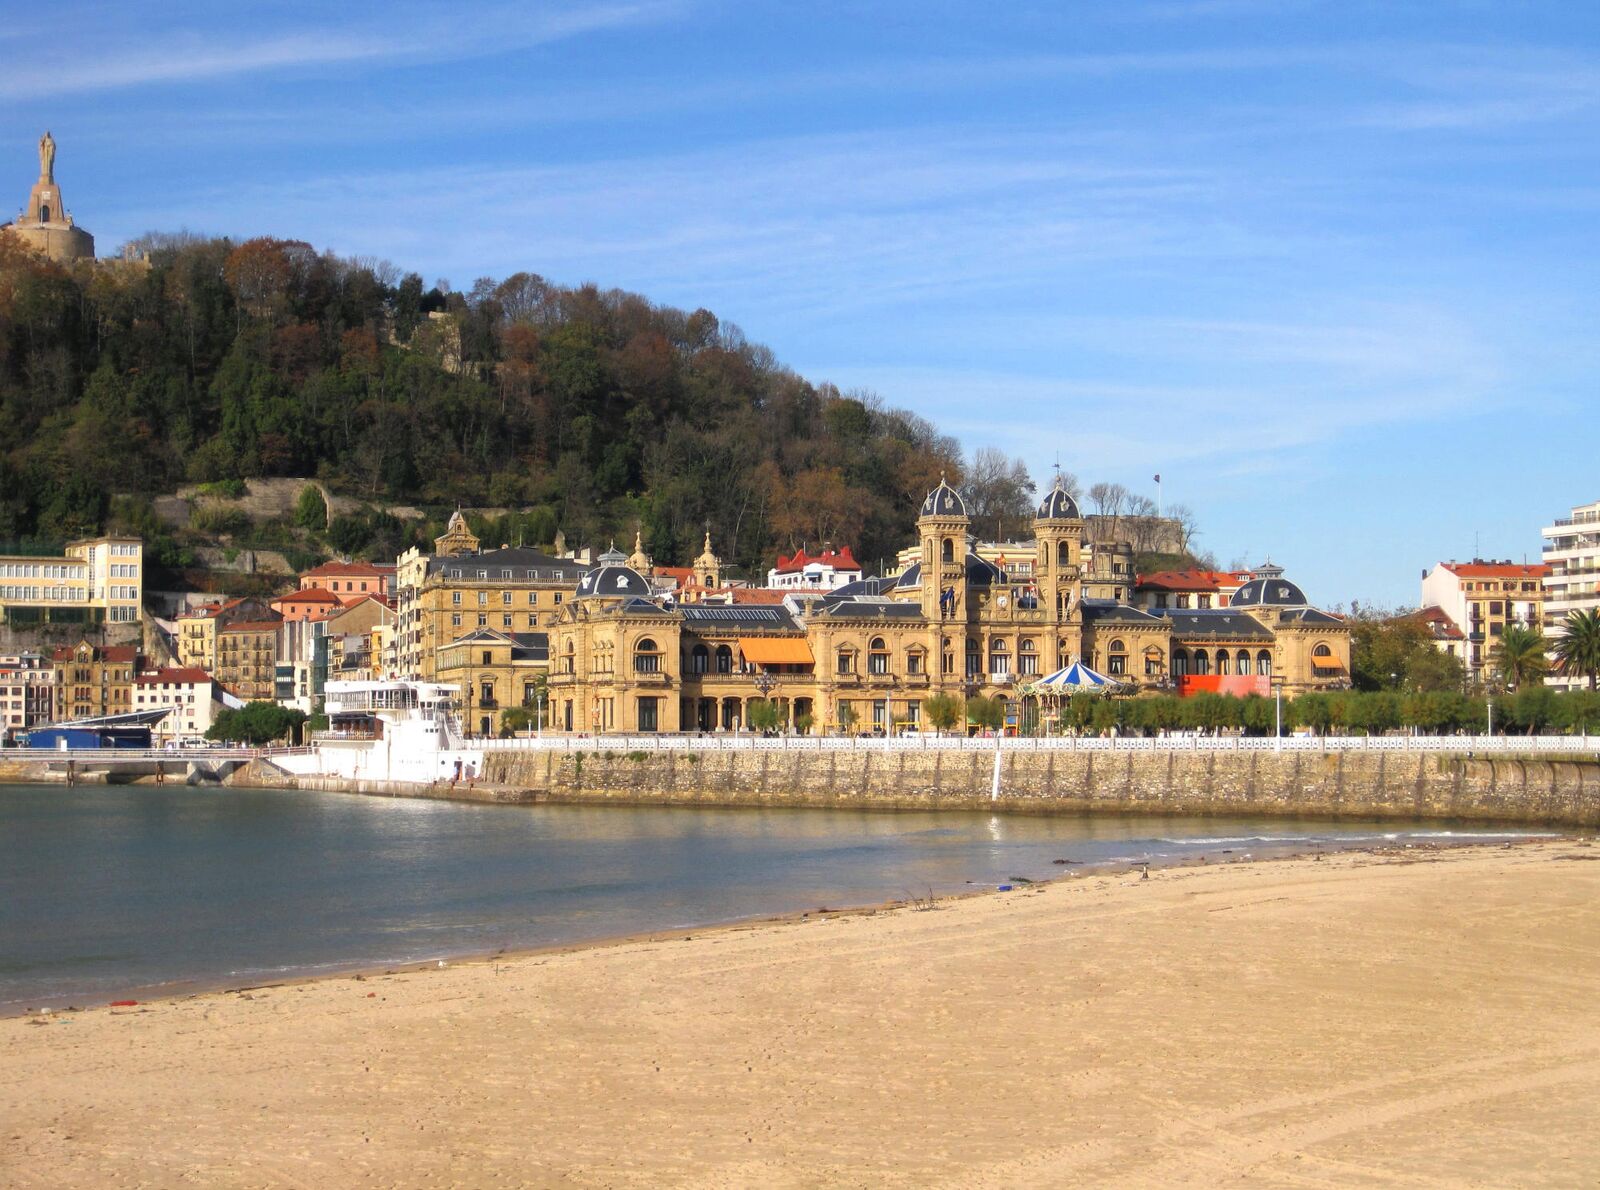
401,35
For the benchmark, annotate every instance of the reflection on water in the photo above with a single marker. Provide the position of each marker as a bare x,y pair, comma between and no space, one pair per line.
105,889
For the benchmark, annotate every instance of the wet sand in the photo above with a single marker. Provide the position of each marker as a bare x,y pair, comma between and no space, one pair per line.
1426,1018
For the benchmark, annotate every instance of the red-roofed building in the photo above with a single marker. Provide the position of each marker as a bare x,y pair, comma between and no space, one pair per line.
825,571
350,579
1194,588
191,693
1480,598
310,603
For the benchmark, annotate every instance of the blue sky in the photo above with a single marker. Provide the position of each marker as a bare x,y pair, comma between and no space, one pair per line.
1329,268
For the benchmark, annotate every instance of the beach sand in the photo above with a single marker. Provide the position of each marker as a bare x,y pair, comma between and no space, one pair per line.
1430,1018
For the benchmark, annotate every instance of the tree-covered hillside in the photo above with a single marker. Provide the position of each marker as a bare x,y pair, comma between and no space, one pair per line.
587,410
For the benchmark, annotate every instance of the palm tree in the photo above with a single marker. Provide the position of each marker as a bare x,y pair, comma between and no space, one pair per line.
1519,657
1578,650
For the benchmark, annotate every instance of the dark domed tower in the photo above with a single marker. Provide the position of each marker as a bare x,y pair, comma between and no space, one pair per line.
1058,532
942,525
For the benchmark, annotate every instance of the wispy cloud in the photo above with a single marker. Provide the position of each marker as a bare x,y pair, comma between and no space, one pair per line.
430,35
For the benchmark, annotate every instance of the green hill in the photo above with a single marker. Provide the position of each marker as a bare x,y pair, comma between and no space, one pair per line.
583,410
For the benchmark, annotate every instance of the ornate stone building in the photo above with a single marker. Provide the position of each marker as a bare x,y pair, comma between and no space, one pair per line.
44,224
461,589
866,656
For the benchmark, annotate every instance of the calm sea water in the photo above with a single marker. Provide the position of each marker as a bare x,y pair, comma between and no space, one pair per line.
108,890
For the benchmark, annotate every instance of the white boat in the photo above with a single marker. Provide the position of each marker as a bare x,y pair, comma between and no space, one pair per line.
389,731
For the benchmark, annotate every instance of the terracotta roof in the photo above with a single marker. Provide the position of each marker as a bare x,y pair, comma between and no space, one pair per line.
1194,580
308,595
160,676
116,653
1496,569
1440,624
838,559
347,569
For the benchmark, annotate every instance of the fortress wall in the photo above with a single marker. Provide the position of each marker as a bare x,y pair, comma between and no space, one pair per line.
1544,790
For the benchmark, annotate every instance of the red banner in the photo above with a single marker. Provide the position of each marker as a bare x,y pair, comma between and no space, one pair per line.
1238,685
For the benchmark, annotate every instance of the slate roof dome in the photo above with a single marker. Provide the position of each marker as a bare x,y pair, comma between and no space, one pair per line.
613,581
944,500
981,572
1268,588
1058,505
911,576
612,556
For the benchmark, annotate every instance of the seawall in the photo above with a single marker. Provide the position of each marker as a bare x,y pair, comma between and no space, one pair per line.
1545,790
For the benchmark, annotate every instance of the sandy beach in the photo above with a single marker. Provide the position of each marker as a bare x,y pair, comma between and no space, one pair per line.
1422,1019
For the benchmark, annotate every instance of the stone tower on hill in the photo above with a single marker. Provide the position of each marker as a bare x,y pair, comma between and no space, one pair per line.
45,226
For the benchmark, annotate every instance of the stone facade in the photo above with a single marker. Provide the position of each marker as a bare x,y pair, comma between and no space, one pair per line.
952,622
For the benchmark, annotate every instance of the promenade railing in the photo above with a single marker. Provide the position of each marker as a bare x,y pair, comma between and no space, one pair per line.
1453,744
173,755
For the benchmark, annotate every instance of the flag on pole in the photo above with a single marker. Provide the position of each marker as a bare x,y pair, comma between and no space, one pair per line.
1158,479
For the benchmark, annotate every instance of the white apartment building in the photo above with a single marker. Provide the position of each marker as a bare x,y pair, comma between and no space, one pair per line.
191,693
99,580
27,692
1572,551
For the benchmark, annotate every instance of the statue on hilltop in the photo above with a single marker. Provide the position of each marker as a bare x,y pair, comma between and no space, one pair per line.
47,157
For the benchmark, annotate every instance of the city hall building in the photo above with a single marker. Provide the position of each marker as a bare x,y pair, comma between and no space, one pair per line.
864,657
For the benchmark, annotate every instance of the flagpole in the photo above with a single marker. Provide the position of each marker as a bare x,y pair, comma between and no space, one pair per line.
1158,497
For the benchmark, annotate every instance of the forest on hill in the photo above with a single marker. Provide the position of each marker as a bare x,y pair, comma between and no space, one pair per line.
581,409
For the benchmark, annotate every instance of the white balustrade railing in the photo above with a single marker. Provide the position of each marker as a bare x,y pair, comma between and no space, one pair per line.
1455,745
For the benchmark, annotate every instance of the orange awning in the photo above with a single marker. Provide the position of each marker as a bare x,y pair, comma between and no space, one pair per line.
767,650
1327,663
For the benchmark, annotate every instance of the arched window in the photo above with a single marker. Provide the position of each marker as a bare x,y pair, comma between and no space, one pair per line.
1063,555
1264,663
1027,657
1222,662
724,659
569,662
1117,658
699,659
948,552
947,656
1322,658
1202,662
1180,662
999,657
1244,663
646,657
44,212
877,656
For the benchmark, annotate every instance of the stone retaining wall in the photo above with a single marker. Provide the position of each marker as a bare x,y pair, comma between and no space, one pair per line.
1544,790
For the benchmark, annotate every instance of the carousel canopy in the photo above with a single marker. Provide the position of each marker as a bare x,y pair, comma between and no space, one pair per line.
1075,677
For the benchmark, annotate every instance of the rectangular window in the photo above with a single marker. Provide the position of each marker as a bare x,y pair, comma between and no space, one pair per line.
1205,601
1183,601
533,620
483,598
647,714
913,663
558,596
505,597
1117,664
533,599
847,662
880,713
483,620
455,598
505,620
488,657
877,663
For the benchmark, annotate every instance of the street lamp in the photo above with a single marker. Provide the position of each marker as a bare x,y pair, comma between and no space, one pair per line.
765,683
1277,712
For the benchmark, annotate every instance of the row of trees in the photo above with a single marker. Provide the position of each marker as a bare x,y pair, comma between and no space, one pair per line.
1396,652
